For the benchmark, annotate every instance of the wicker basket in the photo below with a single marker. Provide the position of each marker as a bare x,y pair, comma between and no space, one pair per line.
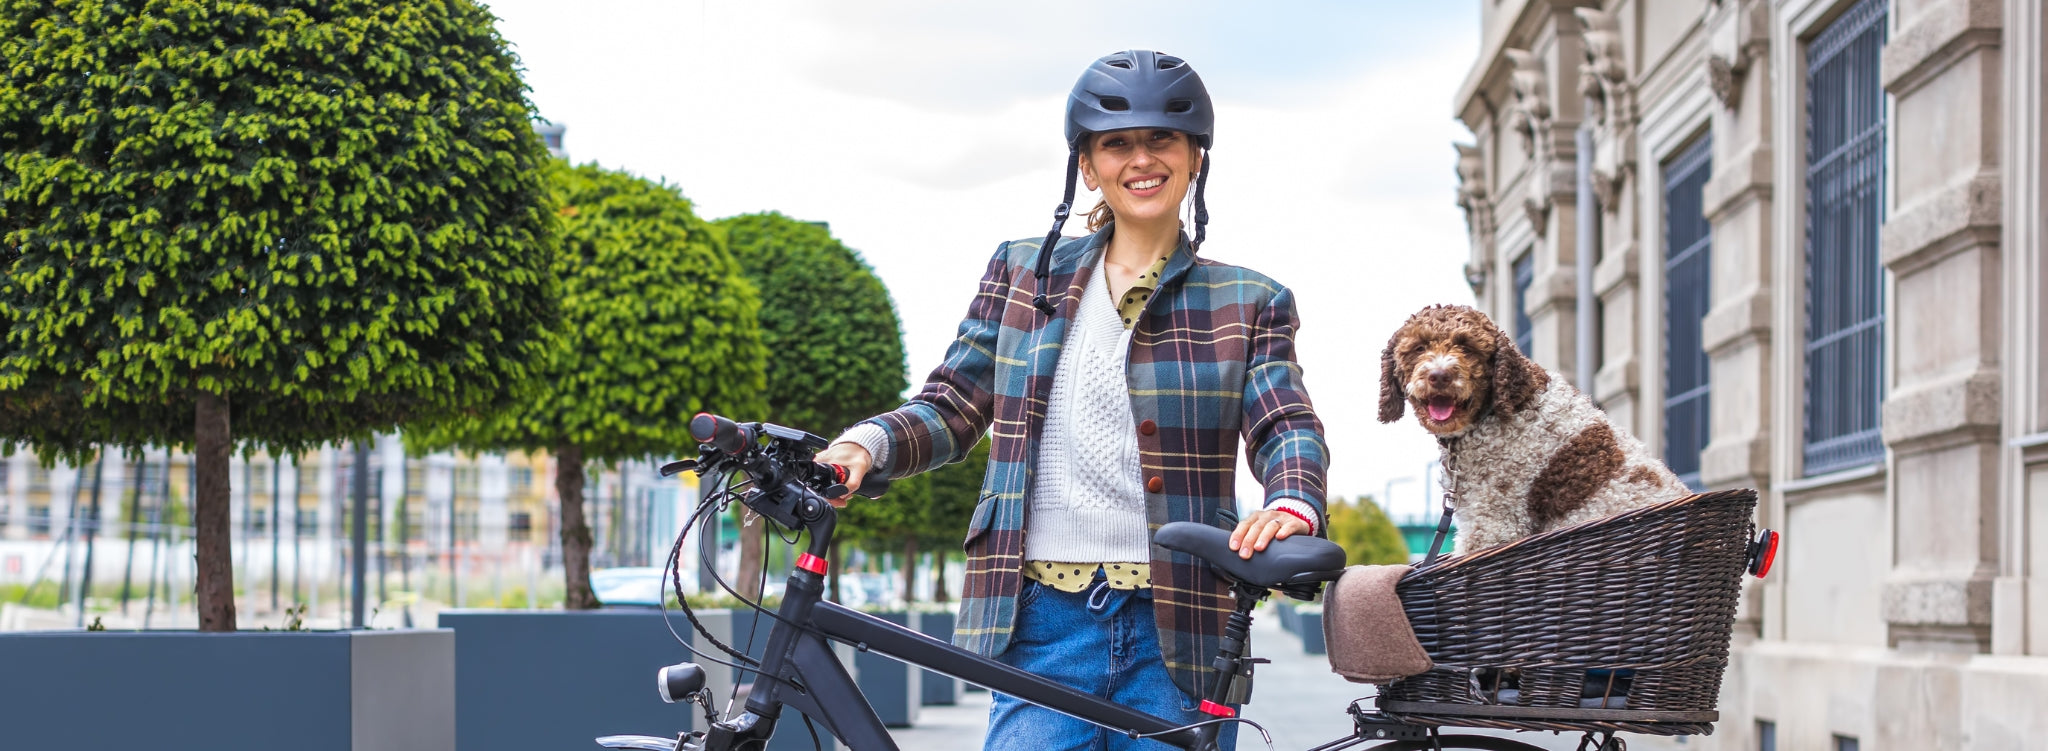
1651,591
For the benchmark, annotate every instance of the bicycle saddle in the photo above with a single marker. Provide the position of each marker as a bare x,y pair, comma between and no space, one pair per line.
1297,565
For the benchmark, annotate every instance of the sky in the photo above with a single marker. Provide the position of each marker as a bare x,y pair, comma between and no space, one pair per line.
927,133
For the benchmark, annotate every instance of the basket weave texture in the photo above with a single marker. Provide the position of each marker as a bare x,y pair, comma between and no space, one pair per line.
1652,590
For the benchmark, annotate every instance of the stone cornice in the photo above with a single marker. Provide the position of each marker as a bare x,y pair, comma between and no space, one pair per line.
1742,179
1960,216
1617,269
1741,318
1945,413
1942,34
1486,76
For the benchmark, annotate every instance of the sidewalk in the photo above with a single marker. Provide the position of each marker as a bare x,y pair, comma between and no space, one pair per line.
1296,698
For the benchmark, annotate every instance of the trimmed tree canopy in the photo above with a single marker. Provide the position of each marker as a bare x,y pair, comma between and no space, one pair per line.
326,213
836,344
1368,536
658,324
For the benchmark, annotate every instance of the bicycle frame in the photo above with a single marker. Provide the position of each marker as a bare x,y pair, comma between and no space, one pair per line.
800,671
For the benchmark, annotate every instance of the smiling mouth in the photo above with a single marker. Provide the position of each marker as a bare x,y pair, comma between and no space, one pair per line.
1441,408
1146,184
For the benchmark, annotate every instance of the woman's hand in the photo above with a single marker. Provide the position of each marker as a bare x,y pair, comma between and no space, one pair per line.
856,461
1261,528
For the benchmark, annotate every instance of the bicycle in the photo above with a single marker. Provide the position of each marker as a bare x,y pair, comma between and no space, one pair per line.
799,670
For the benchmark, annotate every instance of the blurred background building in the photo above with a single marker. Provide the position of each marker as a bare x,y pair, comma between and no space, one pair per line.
1796,245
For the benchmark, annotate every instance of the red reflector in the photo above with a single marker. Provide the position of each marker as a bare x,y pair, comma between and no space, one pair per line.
1766,553
811,563
1217,710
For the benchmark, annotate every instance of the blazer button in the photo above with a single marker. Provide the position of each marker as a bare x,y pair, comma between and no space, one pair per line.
1148,427
1155,484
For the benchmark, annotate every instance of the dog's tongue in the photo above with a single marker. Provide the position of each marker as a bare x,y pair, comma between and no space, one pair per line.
1441,407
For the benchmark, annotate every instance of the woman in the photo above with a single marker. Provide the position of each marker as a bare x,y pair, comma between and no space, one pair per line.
1116,371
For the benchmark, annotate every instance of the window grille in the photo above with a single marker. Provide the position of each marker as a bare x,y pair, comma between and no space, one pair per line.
1845,122
1525,274
1687,270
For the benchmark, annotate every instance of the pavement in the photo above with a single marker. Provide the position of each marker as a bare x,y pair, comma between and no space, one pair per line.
1296,699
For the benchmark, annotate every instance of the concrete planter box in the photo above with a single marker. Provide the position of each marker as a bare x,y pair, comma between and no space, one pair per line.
939,690
1288,620
552,680
1309,624
895,689
177,690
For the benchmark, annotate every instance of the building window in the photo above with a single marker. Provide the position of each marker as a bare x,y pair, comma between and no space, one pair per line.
1525,274
1766,735
1845,121
520,527
39,520
307,521
1688,267
1846,743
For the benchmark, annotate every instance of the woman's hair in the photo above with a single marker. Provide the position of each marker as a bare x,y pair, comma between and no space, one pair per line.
1102,214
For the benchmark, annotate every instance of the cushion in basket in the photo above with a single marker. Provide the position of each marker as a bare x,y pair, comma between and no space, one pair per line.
1367,632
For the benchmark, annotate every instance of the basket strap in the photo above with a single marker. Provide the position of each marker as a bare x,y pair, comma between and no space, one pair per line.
1443,527
1446,447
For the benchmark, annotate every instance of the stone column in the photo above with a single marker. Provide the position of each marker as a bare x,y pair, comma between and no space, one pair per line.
1606,82
2019,602
1545,109
1941,244
1737,203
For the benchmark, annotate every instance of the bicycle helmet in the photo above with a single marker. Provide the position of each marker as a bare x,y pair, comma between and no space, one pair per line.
1131,89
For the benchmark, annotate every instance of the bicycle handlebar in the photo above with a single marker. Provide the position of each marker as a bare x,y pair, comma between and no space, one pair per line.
720,433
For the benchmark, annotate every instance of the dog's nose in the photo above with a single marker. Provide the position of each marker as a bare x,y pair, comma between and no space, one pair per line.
1439,377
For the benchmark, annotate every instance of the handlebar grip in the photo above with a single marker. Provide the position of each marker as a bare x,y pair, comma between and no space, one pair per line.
872,486
723,434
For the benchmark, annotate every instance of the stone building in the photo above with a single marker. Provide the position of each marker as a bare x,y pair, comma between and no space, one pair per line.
1797,245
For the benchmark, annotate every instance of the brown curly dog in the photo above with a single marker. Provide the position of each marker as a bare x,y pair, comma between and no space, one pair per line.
1531,453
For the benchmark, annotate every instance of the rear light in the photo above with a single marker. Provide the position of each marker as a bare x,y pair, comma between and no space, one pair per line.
1762,552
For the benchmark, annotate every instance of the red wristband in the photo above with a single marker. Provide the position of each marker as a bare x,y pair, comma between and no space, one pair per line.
1298,515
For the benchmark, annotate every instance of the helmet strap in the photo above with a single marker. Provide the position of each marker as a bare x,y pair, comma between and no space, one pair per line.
1059,221
1202,206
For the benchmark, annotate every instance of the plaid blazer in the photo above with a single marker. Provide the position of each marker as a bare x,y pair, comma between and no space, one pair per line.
1211,359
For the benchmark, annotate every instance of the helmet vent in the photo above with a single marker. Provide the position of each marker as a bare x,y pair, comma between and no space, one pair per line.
1116,104
1121,62
1180,106
1168,62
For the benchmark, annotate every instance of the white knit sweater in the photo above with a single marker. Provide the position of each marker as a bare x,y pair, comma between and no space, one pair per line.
1088,503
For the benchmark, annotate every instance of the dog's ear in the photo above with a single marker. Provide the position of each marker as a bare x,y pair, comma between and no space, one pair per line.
1393,399
1516,378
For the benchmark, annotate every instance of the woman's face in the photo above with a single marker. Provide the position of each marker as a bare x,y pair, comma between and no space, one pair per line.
1143,173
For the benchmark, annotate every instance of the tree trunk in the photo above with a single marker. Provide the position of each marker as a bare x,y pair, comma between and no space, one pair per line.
753,541
909,569
134,521
939,593
212,441
575,531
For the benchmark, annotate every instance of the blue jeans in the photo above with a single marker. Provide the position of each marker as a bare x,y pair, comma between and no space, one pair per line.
1102,641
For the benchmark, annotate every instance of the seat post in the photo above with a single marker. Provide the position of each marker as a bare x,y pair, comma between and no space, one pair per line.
1229,663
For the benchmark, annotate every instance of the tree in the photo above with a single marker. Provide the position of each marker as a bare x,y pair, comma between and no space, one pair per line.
658,324
283,223
1368,536
836,342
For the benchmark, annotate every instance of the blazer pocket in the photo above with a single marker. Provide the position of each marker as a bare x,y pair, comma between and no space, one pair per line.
984,510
